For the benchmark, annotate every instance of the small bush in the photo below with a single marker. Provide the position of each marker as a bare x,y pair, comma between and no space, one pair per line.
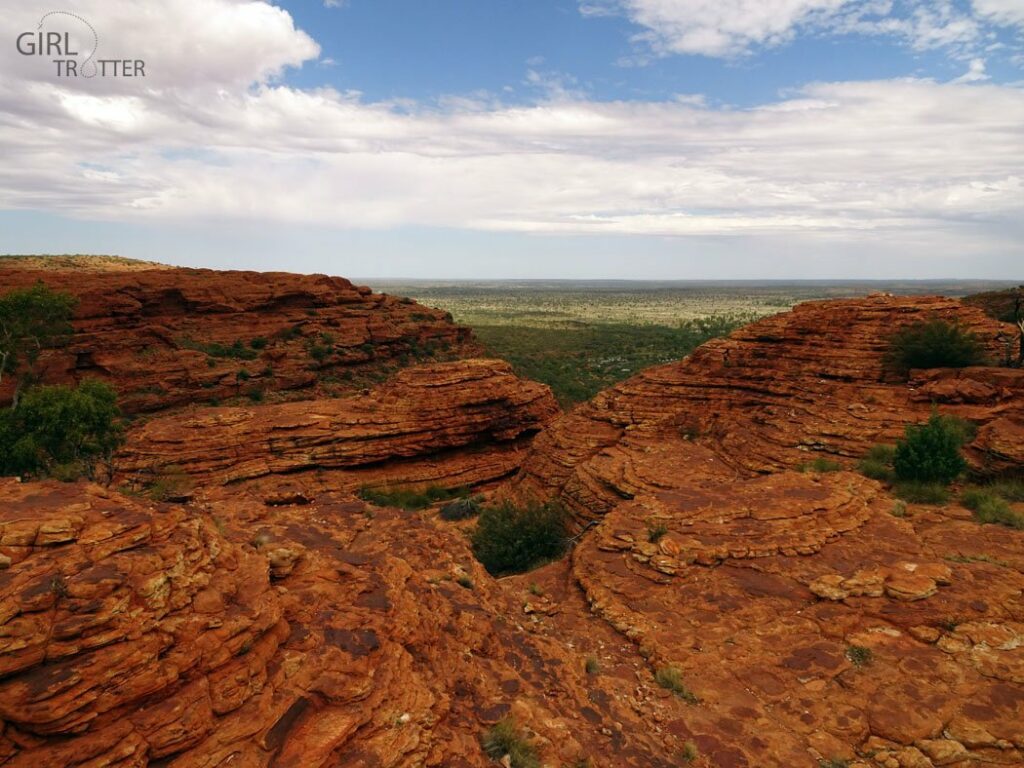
1011,489
655,531
510,539
671,679
899,509
505,739
922,493
408,498
461,509
592,666
821,464
877,463
465,582
689,752
859,655
258,343
930,452
835,762
990,507
933,344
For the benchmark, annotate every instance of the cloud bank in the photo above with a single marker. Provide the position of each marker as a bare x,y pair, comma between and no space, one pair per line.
213,134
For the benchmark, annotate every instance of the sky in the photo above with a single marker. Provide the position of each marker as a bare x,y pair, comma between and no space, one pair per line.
648,139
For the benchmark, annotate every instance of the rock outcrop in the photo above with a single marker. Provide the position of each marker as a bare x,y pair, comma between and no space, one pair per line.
780,392
170,337
816,620
255,635
450,424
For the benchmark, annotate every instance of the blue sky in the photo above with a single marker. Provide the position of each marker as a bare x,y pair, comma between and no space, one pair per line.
592,138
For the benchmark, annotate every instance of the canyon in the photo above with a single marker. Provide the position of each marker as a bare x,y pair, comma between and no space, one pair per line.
262,613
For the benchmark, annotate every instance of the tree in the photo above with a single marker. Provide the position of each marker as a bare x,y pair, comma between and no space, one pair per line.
61,431
930,452
31,319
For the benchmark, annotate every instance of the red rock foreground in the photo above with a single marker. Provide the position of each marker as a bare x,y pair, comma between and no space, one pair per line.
172,337
313,635
451,424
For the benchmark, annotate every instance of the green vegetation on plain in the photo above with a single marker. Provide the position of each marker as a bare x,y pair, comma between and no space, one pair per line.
578,360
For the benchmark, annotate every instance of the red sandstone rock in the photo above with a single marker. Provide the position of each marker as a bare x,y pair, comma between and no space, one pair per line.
755,581
777,393
133,634
452,424
150,333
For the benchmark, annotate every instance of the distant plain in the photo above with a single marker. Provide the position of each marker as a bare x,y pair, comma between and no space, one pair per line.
582,336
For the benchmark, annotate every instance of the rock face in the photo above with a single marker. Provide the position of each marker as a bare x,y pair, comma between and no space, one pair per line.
777,393
452,424
313,635
813,617
171,337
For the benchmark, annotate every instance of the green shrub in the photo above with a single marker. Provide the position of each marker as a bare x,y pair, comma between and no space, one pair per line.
655,531
989,506
689,752
859,655
408,498
1010,489
930,452
505,739
461,509
933,344
671,679
510,539
877,463
922,493
258,343
820,464
61,431
592,666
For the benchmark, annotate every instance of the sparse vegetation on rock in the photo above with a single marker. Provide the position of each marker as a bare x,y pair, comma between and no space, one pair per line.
821,465
409,498
671,679
990,505
461,509
505,739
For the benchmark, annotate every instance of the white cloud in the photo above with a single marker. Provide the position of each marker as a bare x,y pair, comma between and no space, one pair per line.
718,27
1001,11
904,156
730,28
975,72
